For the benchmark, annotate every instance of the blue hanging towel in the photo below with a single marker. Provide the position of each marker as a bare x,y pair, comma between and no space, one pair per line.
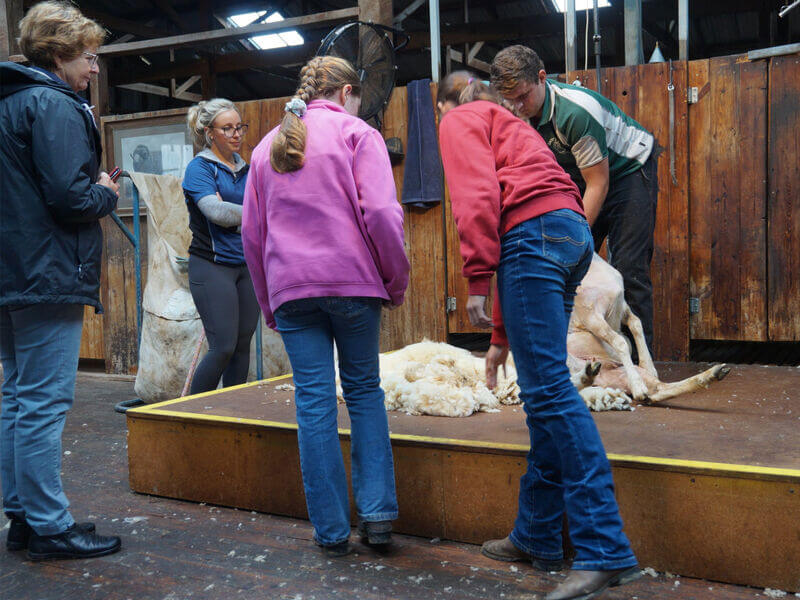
423,182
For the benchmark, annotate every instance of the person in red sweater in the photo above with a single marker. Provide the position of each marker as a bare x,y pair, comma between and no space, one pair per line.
519,216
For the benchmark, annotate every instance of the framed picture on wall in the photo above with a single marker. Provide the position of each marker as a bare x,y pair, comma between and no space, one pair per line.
143,143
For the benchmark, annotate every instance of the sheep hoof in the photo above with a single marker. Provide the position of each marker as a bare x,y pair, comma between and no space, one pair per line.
593,368
721,372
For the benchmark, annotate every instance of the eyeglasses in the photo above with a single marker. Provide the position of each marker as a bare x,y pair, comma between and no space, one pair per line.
92,58
229,130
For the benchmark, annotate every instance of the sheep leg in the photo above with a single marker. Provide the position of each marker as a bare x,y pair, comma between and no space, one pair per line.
600,328
665,391
635,325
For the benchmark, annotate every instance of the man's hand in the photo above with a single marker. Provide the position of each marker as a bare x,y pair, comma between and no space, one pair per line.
476,309
106,181
496,356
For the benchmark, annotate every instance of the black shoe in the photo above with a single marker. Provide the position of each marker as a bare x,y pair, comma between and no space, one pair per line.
376,533
584,585
337,550
19,532
73,543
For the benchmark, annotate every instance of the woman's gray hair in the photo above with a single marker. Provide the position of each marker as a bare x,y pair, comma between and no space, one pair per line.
202,115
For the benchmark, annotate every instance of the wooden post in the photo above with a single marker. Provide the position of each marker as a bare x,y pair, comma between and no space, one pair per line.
10,15
376,11
98,91
208,83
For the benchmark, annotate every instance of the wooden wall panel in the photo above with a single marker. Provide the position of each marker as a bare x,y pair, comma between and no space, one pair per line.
120,332
251,114
727,154
423,313
784,194
670,265
92,346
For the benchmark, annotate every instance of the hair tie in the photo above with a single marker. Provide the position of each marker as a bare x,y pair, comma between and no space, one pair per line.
296,106
470,80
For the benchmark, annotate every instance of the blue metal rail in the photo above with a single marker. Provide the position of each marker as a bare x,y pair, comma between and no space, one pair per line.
135,239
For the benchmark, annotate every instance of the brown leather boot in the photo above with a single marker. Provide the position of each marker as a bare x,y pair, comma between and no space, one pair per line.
583,585
506,551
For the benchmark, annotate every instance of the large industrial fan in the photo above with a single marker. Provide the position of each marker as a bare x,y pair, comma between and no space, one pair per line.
370,49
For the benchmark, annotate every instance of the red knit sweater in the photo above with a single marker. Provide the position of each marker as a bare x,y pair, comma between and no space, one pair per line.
500,173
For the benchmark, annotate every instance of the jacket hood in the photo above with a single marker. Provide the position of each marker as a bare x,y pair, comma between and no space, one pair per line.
15,77
209,155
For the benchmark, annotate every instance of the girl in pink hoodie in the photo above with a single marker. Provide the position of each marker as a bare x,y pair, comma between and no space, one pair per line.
322,233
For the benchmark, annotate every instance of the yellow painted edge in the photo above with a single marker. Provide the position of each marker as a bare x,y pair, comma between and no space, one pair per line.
644,460
151,407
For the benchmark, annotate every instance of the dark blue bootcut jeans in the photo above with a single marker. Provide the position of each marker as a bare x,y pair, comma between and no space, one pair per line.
542,262
309,328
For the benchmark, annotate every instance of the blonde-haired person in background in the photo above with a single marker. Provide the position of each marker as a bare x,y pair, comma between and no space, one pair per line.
220,283
52,196
323,237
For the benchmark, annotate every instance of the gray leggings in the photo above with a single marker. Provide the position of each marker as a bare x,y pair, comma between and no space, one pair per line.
229,310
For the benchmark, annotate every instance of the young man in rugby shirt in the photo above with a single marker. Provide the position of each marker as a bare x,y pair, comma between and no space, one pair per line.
610,157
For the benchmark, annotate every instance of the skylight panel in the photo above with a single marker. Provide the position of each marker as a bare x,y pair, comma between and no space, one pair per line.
561,5
270,40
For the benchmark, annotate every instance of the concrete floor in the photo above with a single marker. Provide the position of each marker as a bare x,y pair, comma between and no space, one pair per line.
174,550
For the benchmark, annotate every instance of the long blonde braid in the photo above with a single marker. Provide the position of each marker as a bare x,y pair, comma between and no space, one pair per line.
320,77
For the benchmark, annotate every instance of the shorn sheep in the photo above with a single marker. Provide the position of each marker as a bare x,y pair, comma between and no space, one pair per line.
432,378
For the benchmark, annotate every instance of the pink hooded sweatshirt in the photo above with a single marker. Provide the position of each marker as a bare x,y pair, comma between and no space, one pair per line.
332,228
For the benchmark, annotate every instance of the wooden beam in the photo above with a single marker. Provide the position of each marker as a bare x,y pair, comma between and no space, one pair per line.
474,63
228,35
167,9
10,15
137,28
409,10
376,11
186,85
224,63
157,90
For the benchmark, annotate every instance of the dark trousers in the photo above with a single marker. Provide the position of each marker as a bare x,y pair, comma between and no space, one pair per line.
227,304
628,219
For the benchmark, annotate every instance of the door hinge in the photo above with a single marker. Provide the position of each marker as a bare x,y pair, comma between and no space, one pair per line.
450,304
694,306
693,95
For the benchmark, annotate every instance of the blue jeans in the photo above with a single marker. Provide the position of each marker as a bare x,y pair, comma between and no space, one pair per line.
542,262
39,347
309,328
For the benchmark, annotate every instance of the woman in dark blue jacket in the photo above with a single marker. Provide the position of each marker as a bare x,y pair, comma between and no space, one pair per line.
52,195
218,277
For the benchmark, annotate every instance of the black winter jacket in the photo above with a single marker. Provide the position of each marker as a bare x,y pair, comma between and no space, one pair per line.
51,243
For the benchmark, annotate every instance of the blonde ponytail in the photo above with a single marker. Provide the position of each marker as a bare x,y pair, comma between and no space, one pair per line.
319,78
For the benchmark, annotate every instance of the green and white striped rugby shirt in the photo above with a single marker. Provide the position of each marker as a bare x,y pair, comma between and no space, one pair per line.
582,128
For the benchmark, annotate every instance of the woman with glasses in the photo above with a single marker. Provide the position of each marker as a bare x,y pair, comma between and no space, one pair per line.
220,283
52,197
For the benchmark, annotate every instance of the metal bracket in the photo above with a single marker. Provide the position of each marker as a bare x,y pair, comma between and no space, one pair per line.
450,304
693,95
694,306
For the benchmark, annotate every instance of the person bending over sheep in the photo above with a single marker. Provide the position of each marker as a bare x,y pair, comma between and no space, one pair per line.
519,216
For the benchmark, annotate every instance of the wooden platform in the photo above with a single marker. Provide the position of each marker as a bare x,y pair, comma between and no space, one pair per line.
708,484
